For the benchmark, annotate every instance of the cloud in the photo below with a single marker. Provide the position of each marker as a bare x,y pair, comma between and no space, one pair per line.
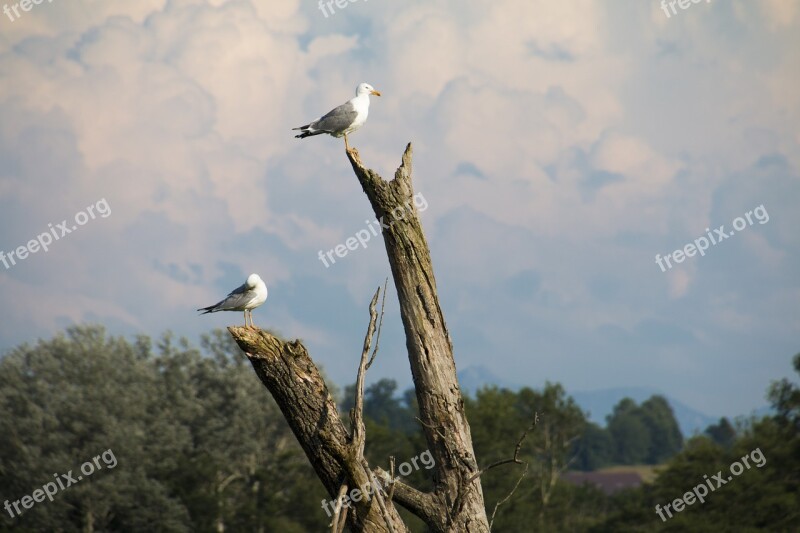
560,146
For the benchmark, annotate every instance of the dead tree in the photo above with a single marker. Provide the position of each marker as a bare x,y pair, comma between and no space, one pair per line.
456,502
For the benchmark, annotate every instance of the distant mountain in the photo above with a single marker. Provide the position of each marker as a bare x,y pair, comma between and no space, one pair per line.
761,412
473,378
598,403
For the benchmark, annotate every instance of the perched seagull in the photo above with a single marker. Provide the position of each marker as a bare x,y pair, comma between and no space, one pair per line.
245,298
345,119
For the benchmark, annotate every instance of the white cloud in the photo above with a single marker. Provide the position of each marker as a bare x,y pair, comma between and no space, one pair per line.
567,142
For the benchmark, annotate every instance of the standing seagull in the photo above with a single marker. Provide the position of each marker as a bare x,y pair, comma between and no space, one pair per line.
245,298
345,119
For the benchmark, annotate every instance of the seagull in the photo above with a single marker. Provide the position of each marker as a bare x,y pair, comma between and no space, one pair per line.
250,295
344,119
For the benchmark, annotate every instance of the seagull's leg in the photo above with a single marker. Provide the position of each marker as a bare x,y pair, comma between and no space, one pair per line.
346,146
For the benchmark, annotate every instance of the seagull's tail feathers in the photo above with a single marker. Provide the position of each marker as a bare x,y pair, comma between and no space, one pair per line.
209,309
307,132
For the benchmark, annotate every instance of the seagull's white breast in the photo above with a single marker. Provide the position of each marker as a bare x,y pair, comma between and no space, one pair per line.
361,104
260,297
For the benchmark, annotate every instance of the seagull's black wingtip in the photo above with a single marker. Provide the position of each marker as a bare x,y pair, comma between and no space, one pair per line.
308,133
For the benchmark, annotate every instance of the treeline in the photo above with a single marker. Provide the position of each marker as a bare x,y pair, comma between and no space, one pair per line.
201,446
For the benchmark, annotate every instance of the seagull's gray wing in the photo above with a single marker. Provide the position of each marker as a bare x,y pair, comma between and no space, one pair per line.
235,301
336,120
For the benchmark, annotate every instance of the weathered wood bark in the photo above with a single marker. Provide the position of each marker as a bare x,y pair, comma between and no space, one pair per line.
456,503
299,390
459,504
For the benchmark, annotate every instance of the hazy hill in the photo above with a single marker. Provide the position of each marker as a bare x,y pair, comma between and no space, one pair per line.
598,403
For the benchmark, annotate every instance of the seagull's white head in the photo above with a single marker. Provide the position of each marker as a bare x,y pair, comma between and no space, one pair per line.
252,281
366,88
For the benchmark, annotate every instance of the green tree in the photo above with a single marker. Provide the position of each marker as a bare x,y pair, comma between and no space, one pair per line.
382,405
785,399
499,417
199,445
665,434
646,434
722,433
67,400
759,487
629,432
595,449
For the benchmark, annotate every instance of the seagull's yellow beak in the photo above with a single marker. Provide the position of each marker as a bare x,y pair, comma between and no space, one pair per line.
376,93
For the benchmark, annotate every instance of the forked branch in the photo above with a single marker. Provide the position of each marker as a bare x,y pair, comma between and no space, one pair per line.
515,460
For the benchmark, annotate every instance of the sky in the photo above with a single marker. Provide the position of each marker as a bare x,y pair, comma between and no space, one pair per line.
562,149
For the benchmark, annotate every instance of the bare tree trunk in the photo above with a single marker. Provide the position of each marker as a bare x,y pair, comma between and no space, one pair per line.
299,390
456,503
430,350
88,522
